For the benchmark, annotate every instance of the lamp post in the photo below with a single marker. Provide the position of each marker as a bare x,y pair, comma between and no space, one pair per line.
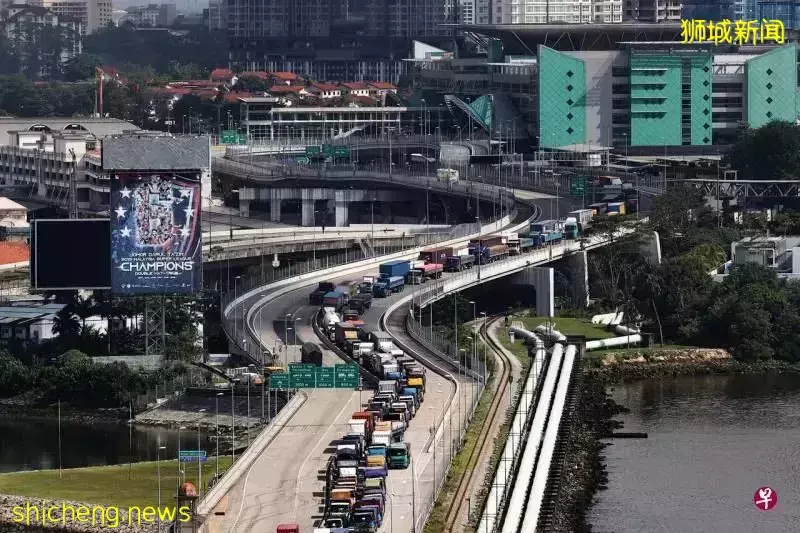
474,349
180,471
233,422
247,424
159,447
199,462
216,401
483,373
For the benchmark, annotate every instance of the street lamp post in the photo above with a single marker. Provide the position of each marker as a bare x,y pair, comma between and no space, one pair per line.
159,447
216,401
199,462
180,470
233,422
247,426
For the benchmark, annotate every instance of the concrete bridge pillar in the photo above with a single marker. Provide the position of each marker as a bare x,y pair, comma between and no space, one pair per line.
580,278
244,208
307,216
543,280
274,206
342,209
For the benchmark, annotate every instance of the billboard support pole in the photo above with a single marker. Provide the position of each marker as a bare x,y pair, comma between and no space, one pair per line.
154,326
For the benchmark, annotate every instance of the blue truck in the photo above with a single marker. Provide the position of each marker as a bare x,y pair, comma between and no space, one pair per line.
545,232
392,269
525,244
457,263
387,285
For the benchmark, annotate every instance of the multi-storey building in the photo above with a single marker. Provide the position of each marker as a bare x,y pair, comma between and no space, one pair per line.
557,11
334,40
152,15
216,15
26,27
653,11
92,14
633,86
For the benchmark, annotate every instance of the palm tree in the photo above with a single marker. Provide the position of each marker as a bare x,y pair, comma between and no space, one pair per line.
66,324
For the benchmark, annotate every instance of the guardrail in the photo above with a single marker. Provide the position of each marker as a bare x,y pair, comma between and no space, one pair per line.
238,332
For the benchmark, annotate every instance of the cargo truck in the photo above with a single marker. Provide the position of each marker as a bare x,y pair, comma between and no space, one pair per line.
346,336
447,174
546,232
310,354
365,286
583,217
457,263
513,243
389,285
489,254
415,277
432,270
393,269
335,299
324,287
434,255
361,302
616,208
398,455
525,244
599,208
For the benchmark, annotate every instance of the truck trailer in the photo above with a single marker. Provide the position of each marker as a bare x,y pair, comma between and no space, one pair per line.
389,285
393,269
457,263
335,299
324,287
310,354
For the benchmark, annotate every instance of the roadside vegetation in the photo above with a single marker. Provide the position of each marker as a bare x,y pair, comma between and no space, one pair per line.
120,485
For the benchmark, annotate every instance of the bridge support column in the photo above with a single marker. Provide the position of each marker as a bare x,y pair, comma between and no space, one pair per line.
341,209
244,208
307,209
543,280
274,207
580,278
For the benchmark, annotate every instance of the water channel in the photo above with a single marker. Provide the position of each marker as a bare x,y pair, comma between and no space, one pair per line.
33,444
713,441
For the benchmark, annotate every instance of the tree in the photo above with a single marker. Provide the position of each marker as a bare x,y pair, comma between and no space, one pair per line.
770,152
66,324
251,84
15,377
81,67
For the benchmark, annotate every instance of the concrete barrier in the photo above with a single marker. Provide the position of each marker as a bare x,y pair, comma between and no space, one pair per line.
246,460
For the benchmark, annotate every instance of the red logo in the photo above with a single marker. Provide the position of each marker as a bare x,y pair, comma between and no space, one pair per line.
765,499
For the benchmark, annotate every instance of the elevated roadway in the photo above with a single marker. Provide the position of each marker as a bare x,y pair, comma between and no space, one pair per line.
288,485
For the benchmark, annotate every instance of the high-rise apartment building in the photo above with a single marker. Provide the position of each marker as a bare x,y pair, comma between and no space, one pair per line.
653,10
92,14
557,11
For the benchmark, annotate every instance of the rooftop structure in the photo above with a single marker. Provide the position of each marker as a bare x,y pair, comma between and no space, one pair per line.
34,131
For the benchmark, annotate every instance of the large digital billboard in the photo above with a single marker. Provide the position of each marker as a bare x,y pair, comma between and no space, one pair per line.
70,254
156,237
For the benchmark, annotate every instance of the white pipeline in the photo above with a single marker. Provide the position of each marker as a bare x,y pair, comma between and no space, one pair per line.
516,505
625,330
613,342
604,319
505,470
550,333
534,505
523,334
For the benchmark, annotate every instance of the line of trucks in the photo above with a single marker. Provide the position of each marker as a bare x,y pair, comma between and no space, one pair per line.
374,444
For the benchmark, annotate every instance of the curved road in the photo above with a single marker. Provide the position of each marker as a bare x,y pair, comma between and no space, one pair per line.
286,482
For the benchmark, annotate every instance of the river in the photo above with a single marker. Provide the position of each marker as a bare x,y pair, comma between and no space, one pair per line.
713,441
33,444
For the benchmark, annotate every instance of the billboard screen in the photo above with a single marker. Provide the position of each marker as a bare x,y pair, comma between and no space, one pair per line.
70,254
156,237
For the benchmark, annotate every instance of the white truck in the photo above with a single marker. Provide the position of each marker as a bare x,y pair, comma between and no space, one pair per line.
358,427
447,174
382,437
389,386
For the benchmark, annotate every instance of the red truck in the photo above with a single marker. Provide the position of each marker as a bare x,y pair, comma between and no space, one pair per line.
288,528
370,417
435,255
432,270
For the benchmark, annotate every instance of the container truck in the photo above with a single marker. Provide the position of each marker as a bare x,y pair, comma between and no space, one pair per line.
434,255
599,208
545,232
415,277
399,456
392,371
349,314
389,285
361,302
387,386
447,174
324,287
583,218
525,244
513,243
334,299
616,208
365,287
571,230
432,270
310,354
346,336
457,263
394,269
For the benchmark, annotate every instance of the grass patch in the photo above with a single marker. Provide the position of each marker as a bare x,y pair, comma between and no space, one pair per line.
436,521
108,485
516,347
569,326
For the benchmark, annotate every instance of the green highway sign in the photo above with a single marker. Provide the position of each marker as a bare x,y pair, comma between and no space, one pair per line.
229,137
313,150
192,456
327,149
347,376
279,381
241,138
302,376
341,151
326,378
577,186
302,160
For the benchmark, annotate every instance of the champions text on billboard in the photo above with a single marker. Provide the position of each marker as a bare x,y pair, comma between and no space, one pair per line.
156,237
